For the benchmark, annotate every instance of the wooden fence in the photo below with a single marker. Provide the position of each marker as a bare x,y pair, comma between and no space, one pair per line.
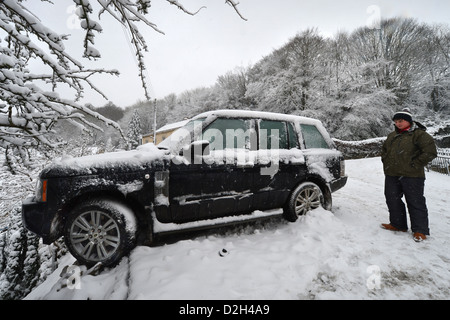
442,162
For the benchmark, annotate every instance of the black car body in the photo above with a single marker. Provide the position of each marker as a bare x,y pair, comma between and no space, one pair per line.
222,163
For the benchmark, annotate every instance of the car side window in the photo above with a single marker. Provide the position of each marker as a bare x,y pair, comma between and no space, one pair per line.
273,135
226,133
312,137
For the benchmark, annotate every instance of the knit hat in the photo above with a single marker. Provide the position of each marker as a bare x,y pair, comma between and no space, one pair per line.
405,114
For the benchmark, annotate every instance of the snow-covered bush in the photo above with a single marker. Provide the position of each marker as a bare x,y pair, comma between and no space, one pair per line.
360,149
20,261
25,261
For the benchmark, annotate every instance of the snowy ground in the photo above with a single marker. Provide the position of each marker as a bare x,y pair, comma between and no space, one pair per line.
324,255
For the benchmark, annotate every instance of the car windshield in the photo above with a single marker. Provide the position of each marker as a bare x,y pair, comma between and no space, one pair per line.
182,136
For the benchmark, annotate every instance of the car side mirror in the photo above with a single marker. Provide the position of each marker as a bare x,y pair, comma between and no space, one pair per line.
195,150
200,148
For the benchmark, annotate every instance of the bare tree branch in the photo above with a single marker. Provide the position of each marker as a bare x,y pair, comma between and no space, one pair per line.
234,5
182,8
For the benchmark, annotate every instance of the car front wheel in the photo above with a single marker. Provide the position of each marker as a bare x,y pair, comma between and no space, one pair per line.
100,230
307,196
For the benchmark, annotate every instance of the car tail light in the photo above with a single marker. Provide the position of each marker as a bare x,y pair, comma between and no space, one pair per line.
342,168
44,190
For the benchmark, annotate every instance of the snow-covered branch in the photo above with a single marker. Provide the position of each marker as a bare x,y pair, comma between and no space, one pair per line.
84,10
30,105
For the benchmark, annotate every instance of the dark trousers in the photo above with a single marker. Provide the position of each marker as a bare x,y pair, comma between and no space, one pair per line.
413,190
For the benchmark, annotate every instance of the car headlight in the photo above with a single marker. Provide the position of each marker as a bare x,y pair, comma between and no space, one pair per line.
41,190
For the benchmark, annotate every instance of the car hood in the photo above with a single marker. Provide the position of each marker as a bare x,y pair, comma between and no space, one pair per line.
112,162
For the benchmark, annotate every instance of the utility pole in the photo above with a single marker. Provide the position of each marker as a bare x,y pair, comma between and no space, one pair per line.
154,122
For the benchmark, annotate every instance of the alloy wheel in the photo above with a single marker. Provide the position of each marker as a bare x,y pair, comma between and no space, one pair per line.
307,199
95,236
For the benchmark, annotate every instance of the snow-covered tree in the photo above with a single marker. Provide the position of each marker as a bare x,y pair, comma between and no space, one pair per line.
232,89
29,101
432,86
134,131
290,79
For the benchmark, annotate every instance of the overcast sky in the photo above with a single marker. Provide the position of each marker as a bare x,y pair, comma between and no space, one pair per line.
195,50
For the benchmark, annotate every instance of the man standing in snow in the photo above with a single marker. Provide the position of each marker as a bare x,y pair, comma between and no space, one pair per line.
405,153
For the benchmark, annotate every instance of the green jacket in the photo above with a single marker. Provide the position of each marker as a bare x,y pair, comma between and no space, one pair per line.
406,154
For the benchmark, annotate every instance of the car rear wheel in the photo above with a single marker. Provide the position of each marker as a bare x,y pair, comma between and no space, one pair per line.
100,230
307,196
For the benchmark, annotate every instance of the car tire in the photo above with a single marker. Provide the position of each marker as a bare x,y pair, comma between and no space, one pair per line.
100,230
307,196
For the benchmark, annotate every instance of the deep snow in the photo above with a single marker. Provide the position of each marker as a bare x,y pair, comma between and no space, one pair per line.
343,254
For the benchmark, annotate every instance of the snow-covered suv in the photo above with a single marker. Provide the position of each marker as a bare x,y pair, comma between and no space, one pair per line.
222,164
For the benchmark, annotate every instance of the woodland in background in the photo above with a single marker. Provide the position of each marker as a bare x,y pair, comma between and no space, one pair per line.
352,82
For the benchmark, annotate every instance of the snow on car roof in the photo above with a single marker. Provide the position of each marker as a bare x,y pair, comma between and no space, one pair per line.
258,114
172,126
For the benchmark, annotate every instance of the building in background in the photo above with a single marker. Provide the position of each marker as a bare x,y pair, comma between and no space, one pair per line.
163,132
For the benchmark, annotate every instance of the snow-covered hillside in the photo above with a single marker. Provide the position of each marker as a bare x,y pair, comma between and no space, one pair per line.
339,255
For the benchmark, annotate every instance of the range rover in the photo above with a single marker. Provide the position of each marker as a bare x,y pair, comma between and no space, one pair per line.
221,165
